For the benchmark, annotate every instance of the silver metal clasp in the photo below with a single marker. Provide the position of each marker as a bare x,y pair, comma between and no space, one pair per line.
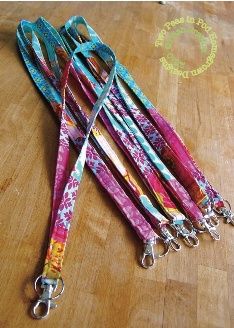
211,229
45,301
227,213
187,232
148,257
211,217
170,240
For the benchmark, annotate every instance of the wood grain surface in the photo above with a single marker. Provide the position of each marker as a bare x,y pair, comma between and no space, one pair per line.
105,287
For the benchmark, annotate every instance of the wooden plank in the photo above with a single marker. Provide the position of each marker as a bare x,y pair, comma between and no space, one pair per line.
212,298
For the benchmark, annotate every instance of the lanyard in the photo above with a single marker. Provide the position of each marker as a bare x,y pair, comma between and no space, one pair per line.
62,212
189,236
147,174
200,190
152,135
166,131
156,217
117,114
127,130
133,150
153,181
172,184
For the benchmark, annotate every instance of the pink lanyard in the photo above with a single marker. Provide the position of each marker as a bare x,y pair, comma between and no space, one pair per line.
154,137
70,31
157,219
117,114
125,142
169,207
65,188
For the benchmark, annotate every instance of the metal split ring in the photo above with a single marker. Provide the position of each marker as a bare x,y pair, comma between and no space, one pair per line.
54,297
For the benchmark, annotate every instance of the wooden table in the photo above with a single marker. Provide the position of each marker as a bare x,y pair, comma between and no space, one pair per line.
105,287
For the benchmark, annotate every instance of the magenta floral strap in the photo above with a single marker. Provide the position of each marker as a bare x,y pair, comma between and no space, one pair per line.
157,219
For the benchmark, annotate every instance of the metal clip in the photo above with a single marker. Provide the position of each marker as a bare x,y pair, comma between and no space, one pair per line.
229,218
227,213
211,229
211,217
148,252
191,240
46,299
170,240
189,236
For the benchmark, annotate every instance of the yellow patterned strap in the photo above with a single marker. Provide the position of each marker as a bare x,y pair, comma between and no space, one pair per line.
54,259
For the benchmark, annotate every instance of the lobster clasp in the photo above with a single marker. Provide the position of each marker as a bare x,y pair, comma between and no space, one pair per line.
45,302
227,213
211,217
148,257
170,240
230,218
187,232
191,240
211,229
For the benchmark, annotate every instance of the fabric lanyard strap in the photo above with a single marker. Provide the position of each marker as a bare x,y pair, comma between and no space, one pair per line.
59,225
150,208
144,201
157,219
188,205
117,115
146,172
171,182
71,31
152,135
